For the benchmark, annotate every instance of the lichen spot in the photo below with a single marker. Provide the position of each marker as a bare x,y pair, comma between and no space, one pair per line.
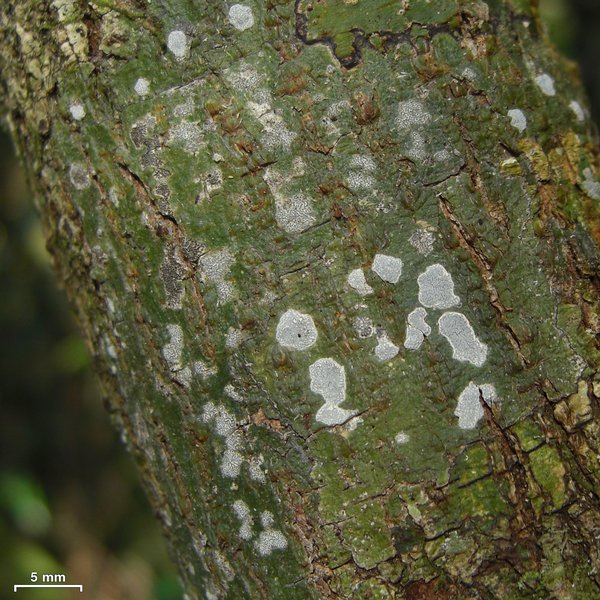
422,241
411,113
328,378
173,349
270,539
436,288
178,44
357,281
546,84
363,327
517,119
79,176
469,409
389,268
417,329
241,17
385,349
577,110
456,328
242,512
142,87
294,214
402,438
591,185
77,111
296,330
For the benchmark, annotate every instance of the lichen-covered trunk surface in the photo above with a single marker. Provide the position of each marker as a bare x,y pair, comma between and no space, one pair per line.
337,263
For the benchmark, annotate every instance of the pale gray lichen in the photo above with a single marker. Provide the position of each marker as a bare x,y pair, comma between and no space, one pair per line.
230,391
546,84
577,110
79,176
385,349
436,288
202,370
225,426
270,539
388,268
255,469
455,327
358,282
417,329
402,438
363,327
276,135
294,214
233,338
241,17
178,44
296,330
142,87
215,266
517,119
422,241
242,512
412,113
173,349
590,184
188,136
469,409
77,111
360,175
328,378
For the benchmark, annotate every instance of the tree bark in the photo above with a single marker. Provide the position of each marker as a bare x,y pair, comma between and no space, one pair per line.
337,264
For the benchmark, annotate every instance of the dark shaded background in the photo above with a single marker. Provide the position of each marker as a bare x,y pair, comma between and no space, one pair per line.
70,501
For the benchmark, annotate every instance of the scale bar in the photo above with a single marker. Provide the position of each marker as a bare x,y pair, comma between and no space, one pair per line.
16,587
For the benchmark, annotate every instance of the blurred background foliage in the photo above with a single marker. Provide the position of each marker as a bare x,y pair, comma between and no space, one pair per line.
70,501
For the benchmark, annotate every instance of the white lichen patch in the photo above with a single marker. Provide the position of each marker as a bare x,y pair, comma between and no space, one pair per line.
590,184
276,135
242,512
215,266
188,136
328,378
469,409
294,214
360,175
202,370
142,87
417,329
173,349
79,176
422,241
232,393
455,327
233,337
577,110
270,539
517,119
225,426
385,349
412,113
241,17
388,268
402,438
255,469
77,111
546,84
358,282
296,330
363,326
179,44
436,288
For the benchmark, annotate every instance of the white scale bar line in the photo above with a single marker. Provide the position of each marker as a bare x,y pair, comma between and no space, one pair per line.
16,587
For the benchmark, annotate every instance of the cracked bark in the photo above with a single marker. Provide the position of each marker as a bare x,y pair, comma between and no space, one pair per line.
385,133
